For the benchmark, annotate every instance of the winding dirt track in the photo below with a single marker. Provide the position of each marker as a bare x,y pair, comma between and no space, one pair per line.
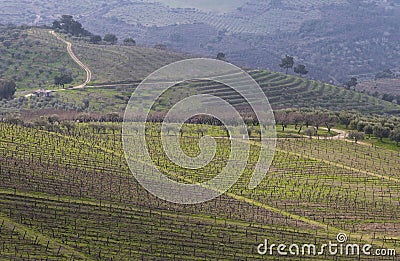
76,59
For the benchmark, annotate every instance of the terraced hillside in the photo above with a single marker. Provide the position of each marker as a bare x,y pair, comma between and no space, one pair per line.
285,91
282,91
71,196
115,66
381,86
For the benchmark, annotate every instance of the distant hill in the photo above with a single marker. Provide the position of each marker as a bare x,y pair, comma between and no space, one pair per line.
32,57
386,89
117,70
336,39
116,63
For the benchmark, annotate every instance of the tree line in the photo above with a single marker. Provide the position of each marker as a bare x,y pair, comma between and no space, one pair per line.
68,25
379,129
288,62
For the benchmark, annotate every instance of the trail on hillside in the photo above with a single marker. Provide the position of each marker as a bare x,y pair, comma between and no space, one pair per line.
76,59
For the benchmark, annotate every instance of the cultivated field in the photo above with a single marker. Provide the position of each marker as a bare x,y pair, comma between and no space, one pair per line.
390,86
69,193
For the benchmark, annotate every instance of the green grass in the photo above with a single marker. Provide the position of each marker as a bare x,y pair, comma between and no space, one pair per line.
385,143
34,58
115,64
290,130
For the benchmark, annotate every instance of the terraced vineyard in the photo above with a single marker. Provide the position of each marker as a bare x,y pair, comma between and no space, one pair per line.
282,91
293,92
68,194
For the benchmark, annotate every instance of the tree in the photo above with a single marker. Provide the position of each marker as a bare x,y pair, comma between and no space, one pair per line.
68,126
356,136
282,118
395,135
345,119
95,39
353,124
300,69
369,129
7,88
129,42
110,38
56,25
381,132
14,121
52,119
297,118
361,125
309,132
384,74
287,63
86,103
352,83
221,56
62,80
317,119
160,47
244,130
114,117
70,26
330,121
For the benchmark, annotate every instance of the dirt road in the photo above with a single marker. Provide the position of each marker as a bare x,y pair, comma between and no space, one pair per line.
76,59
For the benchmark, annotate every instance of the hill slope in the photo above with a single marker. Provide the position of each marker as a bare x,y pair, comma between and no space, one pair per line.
33,57
285,91
120,68
334,38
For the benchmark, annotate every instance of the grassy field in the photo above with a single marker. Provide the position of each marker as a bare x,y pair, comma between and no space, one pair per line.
33,57
385,143
72,195
115,64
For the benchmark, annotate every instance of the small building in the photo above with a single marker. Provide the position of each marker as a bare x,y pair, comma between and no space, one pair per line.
43,93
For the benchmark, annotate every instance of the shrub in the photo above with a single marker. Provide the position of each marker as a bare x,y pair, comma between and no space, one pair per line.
356,136
7,89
